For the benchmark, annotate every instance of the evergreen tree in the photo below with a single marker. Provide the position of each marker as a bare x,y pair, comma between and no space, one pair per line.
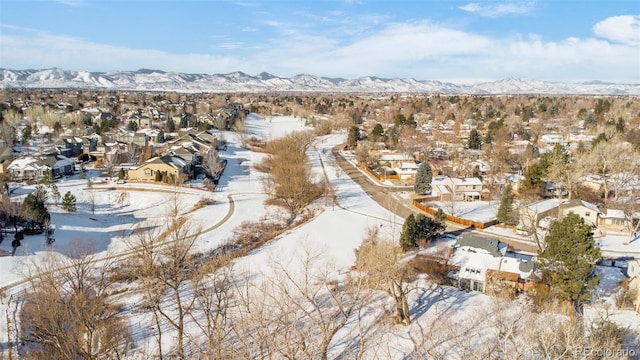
47,178
440,217
411,121
377,132
568,261
132,125
407,237
184,121
353,136
160,137
34,209
399,120
26,134
171,125
427,228
121,174
505,211
55,193
533,176
69,202
423,179
158,176
474,142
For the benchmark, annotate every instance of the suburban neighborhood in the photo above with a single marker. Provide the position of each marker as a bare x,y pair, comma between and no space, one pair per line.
473,195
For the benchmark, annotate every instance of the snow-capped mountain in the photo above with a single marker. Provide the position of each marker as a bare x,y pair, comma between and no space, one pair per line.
157,80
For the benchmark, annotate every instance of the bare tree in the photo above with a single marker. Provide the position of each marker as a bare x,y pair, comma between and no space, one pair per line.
211,161
616,163
380,260
314,302
67,312
214,299
289,175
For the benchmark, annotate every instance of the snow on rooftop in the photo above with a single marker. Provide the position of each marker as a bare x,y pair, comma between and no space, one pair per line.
544,205
614,213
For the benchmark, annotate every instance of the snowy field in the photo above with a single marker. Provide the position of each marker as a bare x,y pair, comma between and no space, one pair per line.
334,232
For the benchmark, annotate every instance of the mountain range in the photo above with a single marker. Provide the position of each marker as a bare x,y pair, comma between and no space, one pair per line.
158,80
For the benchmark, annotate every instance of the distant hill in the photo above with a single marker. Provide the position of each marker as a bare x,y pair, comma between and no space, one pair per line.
158,80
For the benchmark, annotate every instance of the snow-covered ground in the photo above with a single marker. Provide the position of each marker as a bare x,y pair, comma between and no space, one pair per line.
334,232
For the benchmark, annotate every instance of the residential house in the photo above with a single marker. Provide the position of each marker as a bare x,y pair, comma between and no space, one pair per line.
407,170
531,214
551,189
588,211
70,146
616,221
33,168
394,160
552,139
483,264
445,188
193,139
172,168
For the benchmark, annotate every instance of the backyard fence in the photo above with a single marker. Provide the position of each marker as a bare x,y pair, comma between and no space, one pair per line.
455,219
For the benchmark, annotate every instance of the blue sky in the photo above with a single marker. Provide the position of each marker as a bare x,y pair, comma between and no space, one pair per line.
457,41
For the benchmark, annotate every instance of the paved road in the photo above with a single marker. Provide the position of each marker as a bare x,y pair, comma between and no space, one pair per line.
383,196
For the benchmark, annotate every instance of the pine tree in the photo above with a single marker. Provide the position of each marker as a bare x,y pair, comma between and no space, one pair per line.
353,136
423,179
121,174
46,179
171,125
474,142
440,217
505,211
69,202
377,132
426,228
568,261
55,193
160,137
407,237
33,208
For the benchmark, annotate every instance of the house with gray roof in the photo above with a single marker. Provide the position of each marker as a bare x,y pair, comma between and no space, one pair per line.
481,263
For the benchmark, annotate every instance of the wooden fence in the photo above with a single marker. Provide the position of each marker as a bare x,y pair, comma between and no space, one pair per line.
455,219
378,176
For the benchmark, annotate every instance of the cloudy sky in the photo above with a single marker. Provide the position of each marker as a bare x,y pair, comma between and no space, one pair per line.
457,41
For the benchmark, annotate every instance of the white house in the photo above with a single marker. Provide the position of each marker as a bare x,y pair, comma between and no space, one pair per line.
445,188
406,170
35,167
615,220
482,263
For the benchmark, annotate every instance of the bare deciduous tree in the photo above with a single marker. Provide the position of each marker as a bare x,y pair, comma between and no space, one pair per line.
211,161
67,312
615,162
380,260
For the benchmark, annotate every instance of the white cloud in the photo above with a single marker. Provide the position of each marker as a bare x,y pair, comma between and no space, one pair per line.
498,9
624,29
72,2
420,49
